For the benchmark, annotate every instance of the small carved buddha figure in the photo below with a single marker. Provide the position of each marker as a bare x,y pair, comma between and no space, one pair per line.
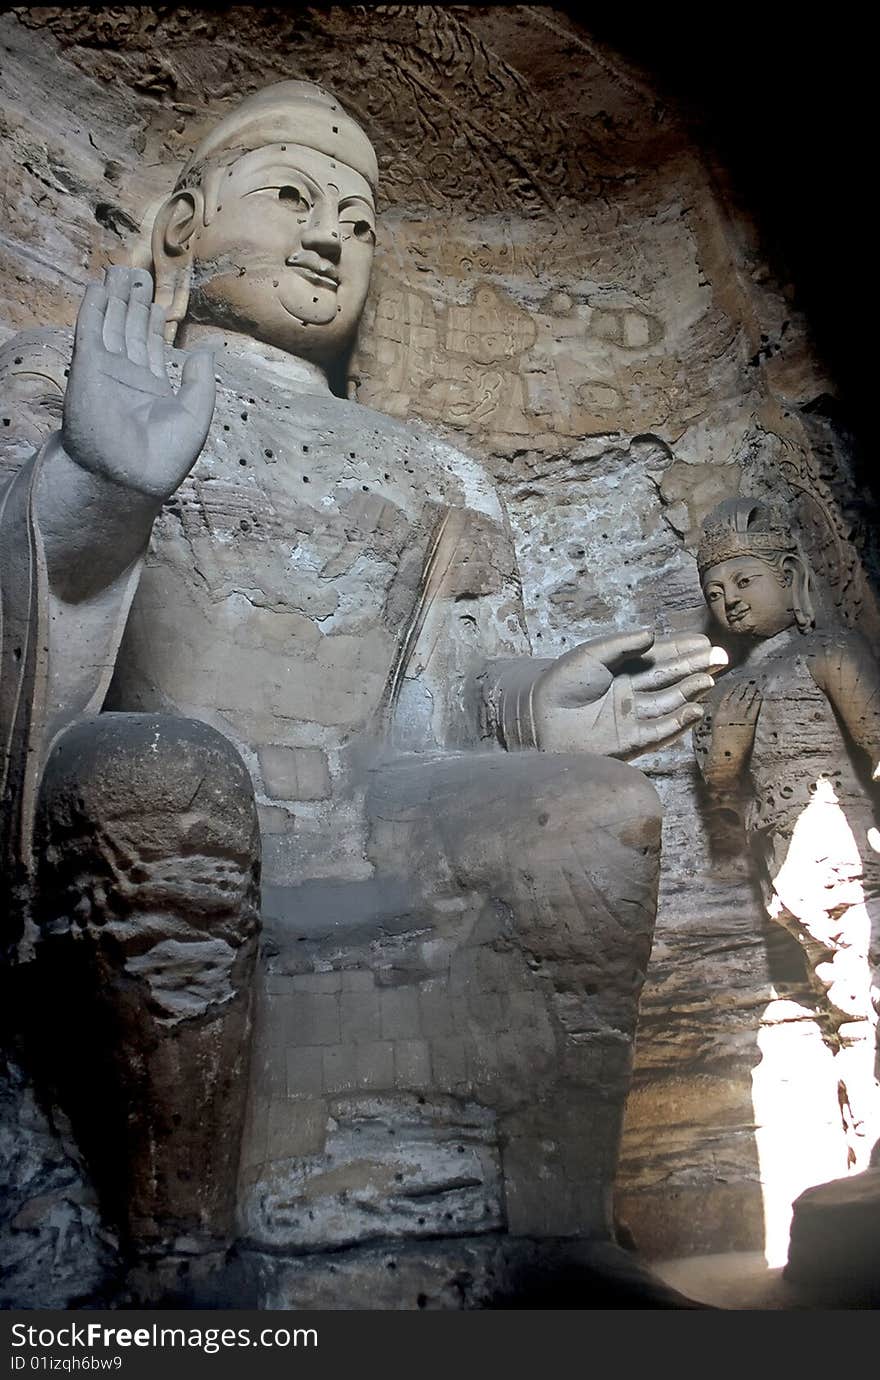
782,749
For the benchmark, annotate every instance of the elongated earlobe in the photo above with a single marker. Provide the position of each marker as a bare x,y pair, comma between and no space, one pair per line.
802,603
171,245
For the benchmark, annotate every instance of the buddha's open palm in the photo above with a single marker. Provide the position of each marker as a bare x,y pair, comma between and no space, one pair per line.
122,418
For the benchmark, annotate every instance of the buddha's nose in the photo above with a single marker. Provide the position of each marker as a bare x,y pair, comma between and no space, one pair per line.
321,233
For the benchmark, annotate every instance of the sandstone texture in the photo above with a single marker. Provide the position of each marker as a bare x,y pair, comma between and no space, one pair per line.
834,1236
564,290
55,1251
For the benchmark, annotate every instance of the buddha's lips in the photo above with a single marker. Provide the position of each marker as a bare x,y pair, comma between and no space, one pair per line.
319,279
229,265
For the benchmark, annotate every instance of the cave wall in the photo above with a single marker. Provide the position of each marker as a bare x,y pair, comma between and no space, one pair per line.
566,288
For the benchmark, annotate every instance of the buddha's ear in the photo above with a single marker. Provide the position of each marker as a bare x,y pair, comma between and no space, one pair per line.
172,243
798,574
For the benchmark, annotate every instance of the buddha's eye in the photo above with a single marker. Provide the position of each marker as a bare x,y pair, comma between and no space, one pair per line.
713,595
361,229
743,581
293,197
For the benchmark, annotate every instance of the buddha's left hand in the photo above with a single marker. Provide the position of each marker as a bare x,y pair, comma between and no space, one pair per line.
624,693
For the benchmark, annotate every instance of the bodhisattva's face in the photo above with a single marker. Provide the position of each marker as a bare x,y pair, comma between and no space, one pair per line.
750,597
287,255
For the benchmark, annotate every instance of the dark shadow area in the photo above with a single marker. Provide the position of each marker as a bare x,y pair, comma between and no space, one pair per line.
785,107
569,1274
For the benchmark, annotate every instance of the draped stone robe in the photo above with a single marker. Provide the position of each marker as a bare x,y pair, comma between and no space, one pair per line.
326,580
283,598
56,658
455,936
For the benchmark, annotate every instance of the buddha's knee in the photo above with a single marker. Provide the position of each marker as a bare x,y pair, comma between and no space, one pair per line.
577,860
553,820
148,896
570,843
147,818
581,796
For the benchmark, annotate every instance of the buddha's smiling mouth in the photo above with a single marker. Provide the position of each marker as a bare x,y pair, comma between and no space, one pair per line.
317,270
318,279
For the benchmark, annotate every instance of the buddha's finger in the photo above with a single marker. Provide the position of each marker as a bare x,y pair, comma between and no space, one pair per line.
197,389
617,648
670,672
652,705
114,324
137,321
156,340
656,733
117,281
90,317
673,645
140,284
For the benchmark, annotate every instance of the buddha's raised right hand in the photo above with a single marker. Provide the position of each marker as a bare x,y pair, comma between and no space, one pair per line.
122,419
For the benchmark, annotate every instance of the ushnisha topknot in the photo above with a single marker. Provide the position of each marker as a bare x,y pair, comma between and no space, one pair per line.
295,112
744,527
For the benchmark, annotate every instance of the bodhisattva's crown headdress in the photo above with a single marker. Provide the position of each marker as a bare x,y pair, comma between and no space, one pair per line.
744,527
747,527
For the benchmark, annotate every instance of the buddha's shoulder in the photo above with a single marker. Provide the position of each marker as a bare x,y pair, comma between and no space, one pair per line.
449,474
328,426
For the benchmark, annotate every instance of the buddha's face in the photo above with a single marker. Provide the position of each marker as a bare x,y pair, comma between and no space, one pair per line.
287,252
749,596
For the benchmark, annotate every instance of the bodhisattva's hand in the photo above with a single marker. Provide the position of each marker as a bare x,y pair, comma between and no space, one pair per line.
586,701
736,712
122,419
732,734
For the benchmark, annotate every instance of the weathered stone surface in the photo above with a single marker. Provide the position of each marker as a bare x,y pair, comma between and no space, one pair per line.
54,1250
380,1167
835,1239
643,318
147,907
499,1273
420,1045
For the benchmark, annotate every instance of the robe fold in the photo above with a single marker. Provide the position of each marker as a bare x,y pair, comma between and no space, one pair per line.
46,683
